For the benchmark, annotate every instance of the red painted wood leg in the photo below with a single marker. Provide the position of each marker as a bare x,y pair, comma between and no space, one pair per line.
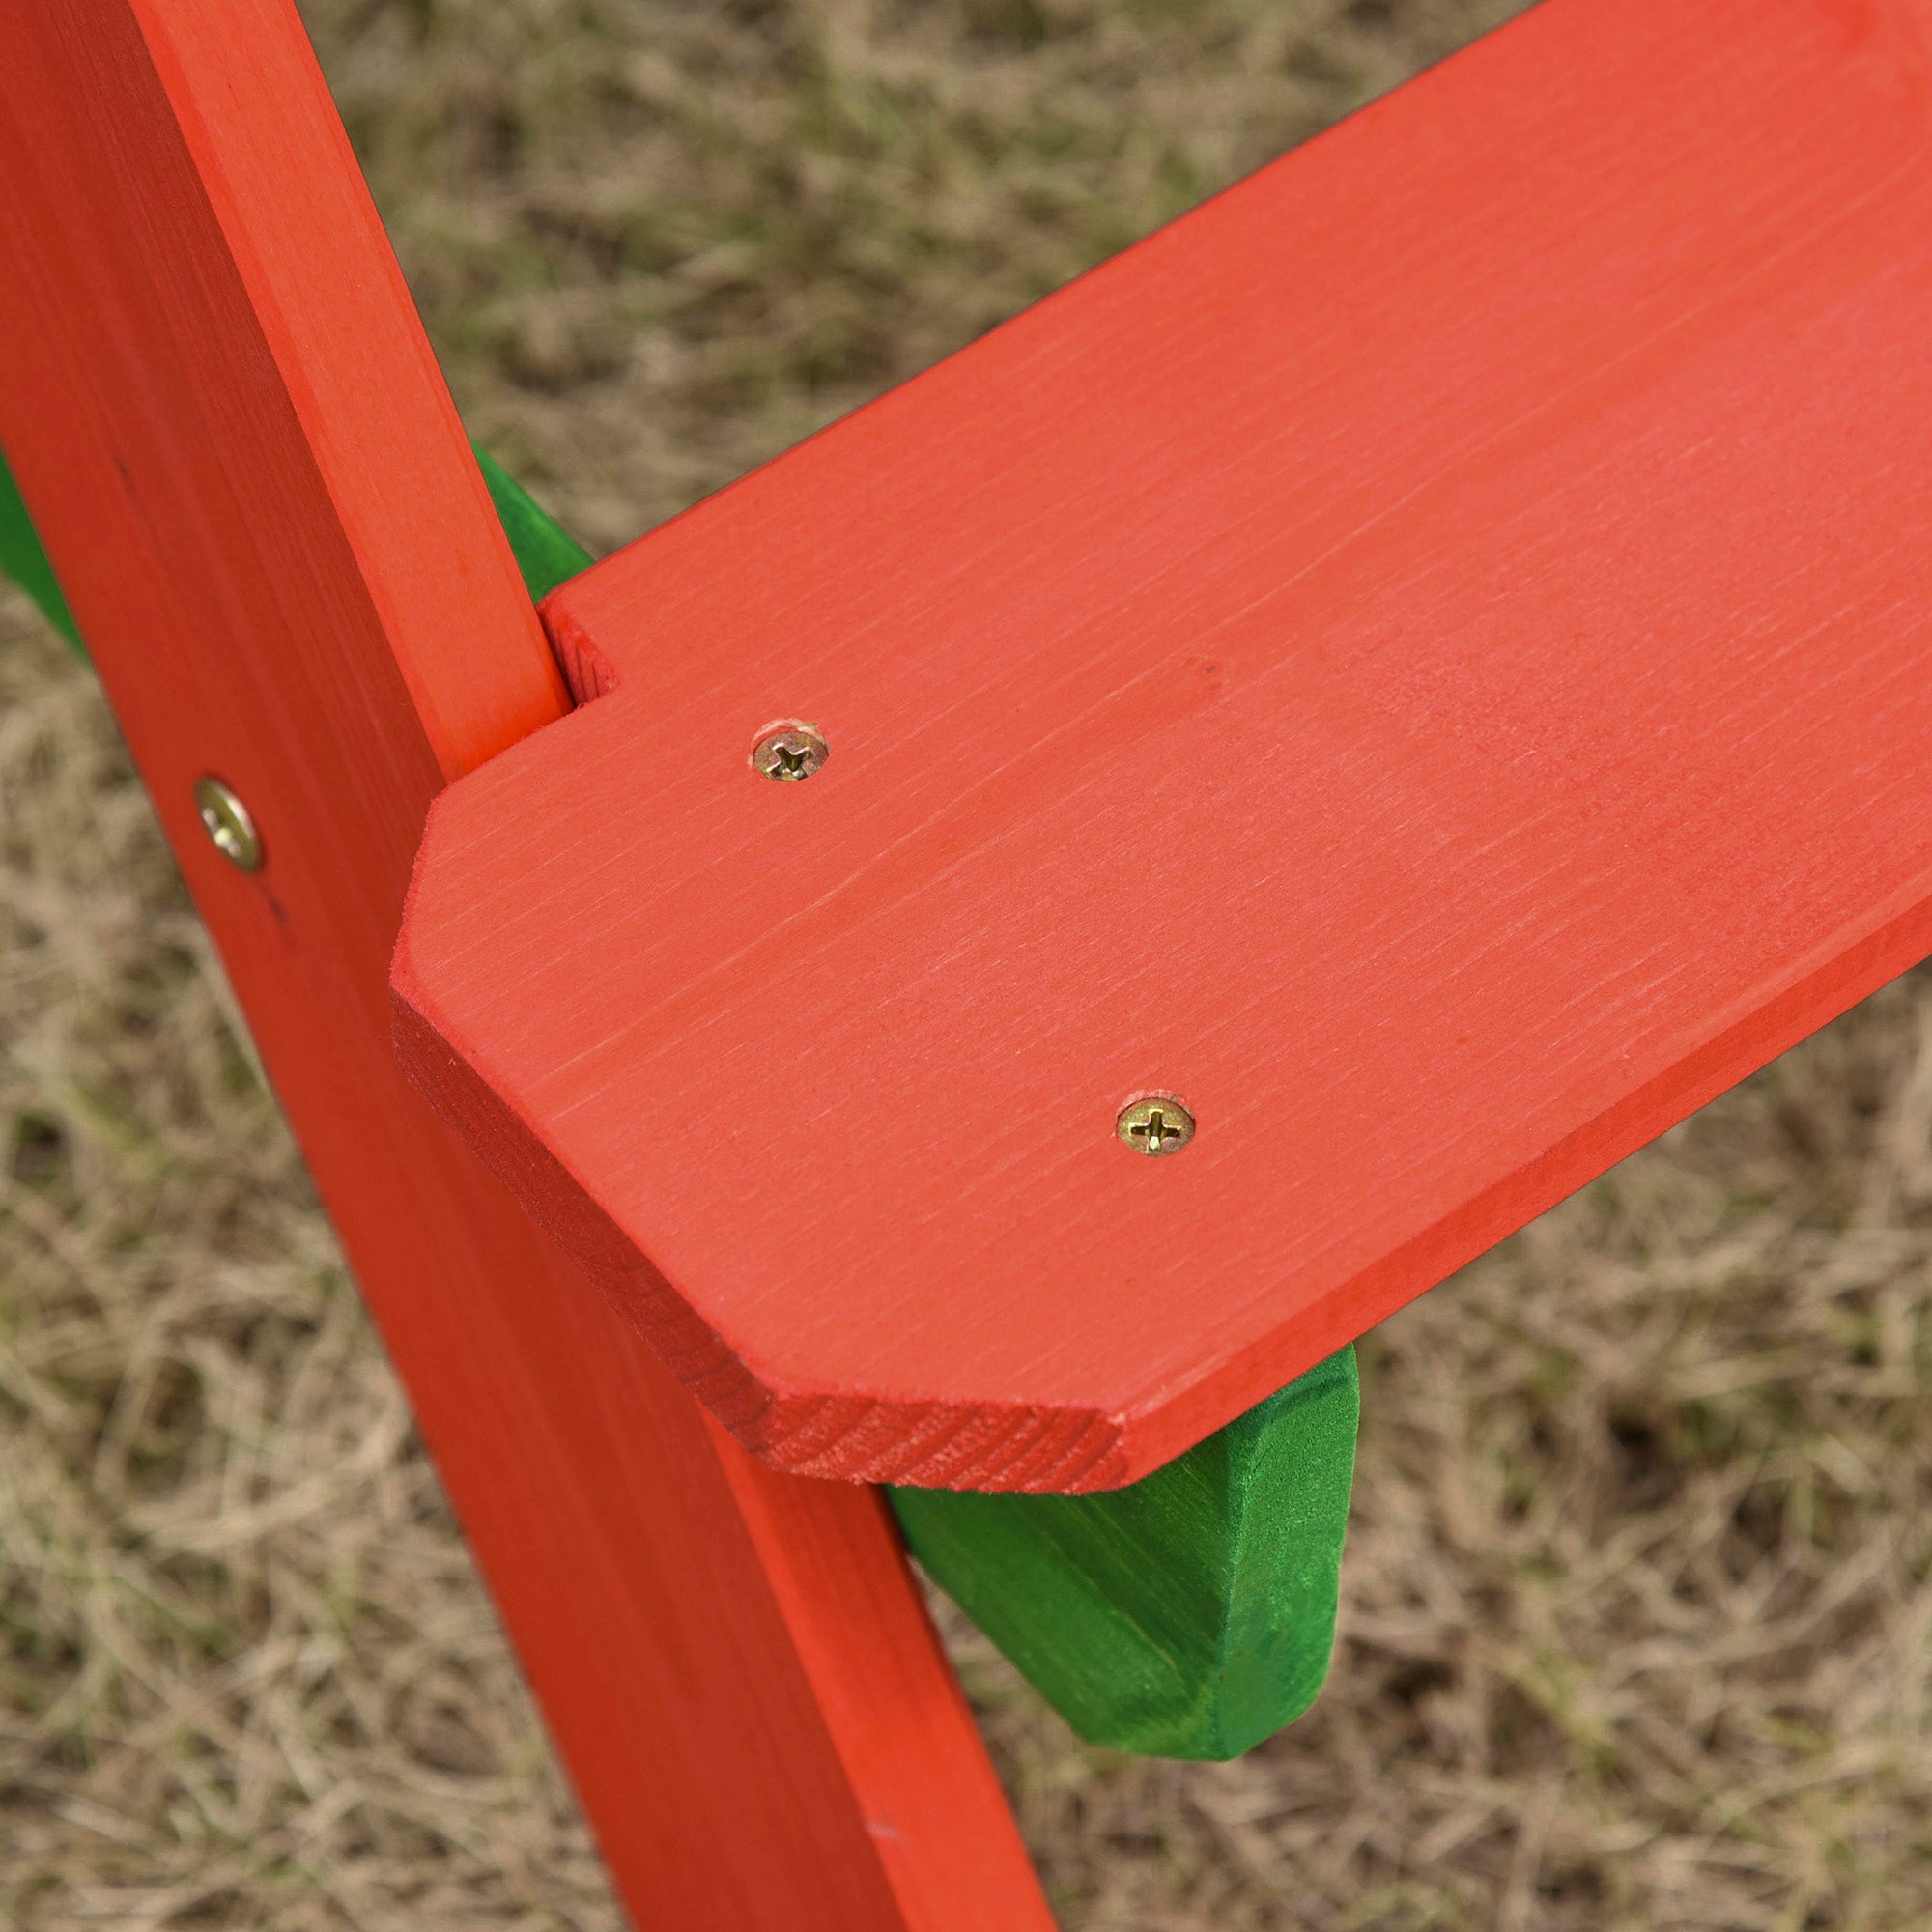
222,413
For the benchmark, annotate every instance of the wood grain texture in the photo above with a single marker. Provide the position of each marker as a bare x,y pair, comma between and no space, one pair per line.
1425,660
1190,1615
737,1664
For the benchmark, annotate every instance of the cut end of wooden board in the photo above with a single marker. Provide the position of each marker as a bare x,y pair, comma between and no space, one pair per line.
1421,665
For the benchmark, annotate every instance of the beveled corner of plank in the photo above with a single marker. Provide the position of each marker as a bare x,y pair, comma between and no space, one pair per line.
1423,661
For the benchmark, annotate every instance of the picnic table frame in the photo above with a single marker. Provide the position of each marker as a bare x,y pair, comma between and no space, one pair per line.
258,500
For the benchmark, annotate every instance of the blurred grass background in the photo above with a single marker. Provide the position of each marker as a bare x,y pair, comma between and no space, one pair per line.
1636,1625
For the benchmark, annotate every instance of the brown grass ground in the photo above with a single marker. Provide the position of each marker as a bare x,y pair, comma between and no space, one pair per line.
1637,1622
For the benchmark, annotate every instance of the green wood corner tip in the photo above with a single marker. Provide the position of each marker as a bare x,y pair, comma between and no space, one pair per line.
1192,1613
23,560
545,554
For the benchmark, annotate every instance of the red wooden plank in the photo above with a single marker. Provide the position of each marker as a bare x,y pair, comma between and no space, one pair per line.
255,490
1424,659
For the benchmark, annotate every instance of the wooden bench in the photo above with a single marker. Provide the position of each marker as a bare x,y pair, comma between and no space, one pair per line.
1004,940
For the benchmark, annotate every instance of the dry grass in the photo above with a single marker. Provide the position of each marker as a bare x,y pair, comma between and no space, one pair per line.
1636,1619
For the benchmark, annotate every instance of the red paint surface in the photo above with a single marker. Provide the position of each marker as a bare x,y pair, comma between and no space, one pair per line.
255,492
1426,658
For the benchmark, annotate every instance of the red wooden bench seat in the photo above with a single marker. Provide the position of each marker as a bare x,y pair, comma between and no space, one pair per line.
1424,659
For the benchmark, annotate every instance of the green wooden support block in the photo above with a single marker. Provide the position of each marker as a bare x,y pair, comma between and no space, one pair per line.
1188,1615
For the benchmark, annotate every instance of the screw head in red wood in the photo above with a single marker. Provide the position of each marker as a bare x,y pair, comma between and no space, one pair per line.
1155,1125
790,751
229,824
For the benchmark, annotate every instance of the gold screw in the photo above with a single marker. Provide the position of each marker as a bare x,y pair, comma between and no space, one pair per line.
230,828
790,751
1156,1125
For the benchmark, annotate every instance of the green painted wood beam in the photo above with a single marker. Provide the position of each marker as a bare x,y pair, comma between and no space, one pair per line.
1188,1615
